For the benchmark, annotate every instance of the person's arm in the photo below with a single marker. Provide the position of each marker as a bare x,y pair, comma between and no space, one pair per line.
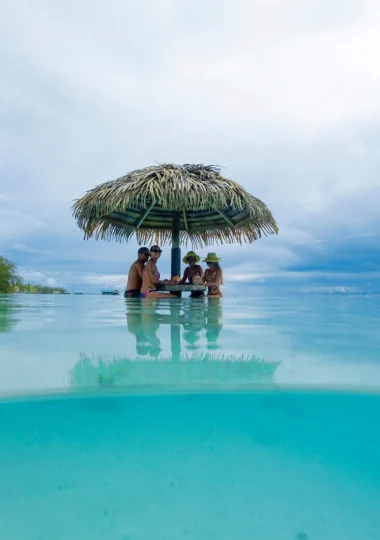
139,269
153,278
218,279
200,271
153,274
185,277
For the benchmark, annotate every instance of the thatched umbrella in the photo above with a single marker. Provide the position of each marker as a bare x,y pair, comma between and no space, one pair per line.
177,203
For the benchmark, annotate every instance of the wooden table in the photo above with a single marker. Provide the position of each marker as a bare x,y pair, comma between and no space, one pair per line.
178,289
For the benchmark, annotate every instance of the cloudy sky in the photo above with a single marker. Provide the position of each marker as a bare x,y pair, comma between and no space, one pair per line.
285,94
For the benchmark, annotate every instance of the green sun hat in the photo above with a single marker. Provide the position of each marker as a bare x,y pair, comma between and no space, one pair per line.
212,258
189,255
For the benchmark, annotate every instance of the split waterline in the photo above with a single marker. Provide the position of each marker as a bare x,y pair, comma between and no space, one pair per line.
189,419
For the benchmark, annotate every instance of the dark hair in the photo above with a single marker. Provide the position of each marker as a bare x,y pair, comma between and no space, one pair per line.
216,264
154,247
143,250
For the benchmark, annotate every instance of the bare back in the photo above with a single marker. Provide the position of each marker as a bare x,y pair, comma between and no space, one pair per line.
135,276
151,277
213,278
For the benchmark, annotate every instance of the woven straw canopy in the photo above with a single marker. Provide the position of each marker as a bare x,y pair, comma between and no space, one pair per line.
207,208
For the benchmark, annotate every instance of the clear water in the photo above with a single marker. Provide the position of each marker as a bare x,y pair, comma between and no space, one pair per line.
241,418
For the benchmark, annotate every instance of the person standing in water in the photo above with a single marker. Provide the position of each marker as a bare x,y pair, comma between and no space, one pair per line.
152,279
135,275
213,276
194,269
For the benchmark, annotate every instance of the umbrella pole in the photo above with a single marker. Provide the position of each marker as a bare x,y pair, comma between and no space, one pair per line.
176,250
175,331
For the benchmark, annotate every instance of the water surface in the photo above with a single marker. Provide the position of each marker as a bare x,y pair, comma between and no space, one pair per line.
66,342
241,418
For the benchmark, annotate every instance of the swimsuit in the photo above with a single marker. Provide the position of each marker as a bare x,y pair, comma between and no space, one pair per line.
197,294
132,293
214,290
144,294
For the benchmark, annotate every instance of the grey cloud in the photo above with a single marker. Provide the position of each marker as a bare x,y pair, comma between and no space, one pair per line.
268,89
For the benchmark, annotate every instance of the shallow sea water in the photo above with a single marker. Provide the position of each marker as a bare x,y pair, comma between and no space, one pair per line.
195,419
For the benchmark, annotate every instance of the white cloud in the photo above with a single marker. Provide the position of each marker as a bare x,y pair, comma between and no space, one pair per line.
363,235
40,278
14,224
233,276
51,282
284,94
283,63
297,276
26,249
109,280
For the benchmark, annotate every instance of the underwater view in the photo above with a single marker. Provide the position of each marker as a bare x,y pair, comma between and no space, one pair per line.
189,270
129,419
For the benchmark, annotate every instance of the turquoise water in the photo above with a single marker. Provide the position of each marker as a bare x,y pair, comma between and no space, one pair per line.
241,418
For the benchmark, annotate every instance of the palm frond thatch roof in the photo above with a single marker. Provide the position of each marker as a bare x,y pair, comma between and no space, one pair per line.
210,208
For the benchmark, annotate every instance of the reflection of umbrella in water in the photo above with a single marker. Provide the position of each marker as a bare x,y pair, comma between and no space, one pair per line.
172,202
179,369
192,370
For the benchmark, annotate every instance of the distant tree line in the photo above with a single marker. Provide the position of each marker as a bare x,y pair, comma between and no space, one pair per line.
11,281
40,289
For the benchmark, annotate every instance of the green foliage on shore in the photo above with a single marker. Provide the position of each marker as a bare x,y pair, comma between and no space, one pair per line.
9,277
41,289
11,281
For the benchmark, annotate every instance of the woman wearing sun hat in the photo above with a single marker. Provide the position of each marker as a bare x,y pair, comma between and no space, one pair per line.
193,270
213,276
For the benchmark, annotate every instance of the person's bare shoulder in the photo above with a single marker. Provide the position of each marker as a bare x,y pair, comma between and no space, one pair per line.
139,267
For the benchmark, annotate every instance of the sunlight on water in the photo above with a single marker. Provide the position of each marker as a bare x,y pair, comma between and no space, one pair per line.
174,438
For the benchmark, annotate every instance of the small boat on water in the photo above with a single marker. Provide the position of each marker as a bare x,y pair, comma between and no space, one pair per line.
114,292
